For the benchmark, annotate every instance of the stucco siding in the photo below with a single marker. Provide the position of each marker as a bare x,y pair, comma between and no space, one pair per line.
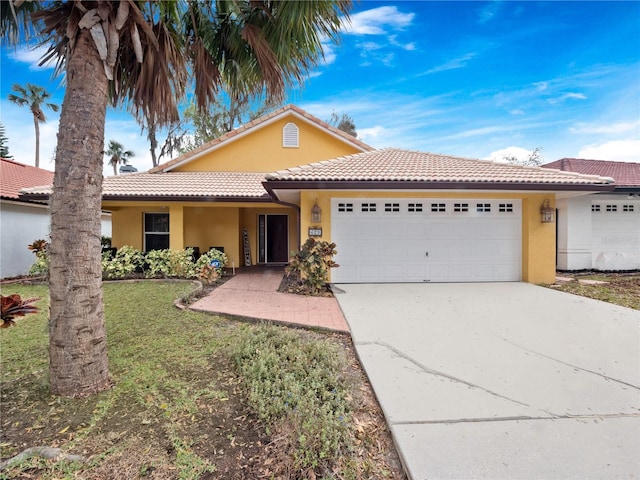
21,224
263,150
538,239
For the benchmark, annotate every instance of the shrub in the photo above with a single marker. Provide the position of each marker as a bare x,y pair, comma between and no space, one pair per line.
313,262
170,263
41,265
13,306
125,262
206,269
297,386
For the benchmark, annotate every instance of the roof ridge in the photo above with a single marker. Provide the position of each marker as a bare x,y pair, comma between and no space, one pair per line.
255,123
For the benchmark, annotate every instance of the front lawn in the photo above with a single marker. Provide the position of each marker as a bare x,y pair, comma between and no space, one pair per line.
196,397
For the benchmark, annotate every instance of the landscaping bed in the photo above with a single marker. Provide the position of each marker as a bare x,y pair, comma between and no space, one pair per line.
618,288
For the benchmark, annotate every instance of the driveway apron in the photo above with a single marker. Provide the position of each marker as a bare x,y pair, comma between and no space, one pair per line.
501,380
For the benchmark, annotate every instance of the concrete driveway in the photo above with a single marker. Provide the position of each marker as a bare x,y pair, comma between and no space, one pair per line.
501,380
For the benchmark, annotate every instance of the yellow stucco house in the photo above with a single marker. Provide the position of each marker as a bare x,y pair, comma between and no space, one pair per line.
261,190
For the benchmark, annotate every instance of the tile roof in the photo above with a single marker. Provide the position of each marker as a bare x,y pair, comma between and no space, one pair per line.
625,174
257,123
409,166
171,185
14,176
186,184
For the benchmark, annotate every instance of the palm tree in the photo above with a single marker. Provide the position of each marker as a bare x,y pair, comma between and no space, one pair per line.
117,155
144,54
34,97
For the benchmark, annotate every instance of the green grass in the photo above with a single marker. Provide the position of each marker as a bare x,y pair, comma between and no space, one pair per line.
193,393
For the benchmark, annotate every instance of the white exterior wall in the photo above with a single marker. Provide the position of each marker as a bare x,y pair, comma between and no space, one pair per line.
574,233
20,225
615,237
598,240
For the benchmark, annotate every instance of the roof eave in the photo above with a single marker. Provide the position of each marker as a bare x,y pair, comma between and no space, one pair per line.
271,185
185,198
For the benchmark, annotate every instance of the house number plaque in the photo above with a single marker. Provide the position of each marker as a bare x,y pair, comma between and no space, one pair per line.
315,231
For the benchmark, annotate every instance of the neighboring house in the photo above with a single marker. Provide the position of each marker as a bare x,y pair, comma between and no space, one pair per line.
22,221
600,231
395,215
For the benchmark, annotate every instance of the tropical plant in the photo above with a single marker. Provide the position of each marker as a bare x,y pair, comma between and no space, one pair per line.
13,306
41,264
117,155
34,97
144,54
4,147
313,263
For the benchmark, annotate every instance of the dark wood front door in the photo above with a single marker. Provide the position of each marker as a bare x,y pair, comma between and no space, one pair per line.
273,238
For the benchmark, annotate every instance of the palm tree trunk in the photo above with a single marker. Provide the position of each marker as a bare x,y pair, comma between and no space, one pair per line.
35,124
115,168
78,363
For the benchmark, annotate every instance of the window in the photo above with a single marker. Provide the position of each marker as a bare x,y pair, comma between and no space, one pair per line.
414,207
505,207
290,136
460,207
156,231
595,208
368,207
628,208
612,208
438,207
345,207
391,207
483,207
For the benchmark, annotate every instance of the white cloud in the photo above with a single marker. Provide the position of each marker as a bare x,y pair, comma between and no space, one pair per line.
452,64
377,20
520,153
616,150
516,111
567,96
613,128
31,56
489,11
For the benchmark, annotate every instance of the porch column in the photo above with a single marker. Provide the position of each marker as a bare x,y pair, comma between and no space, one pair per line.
176,227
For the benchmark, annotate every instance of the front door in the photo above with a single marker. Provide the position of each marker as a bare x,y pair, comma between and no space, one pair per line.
273,238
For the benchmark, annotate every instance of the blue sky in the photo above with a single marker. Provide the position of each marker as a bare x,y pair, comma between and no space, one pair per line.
474,79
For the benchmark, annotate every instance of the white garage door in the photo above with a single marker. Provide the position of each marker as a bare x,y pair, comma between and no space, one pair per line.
426,240
615,242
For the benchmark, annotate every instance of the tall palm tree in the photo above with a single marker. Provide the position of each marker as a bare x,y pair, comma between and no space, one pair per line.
117,155
34,97
145,54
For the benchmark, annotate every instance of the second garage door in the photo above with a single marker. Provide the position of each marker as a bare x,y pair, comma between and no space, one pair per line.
426,240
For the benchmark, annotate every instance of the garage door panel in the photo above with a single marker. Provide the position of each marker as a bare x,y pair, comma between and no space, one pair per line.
400,242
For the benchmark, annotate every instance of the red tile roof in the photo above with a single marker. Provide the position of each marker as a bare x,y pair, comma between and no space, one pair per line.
257,123
625,174
408,166
15,176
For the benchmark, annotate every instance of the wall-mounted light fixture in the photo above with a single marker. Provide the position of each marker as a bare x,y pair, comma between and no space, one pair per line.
547,212
316,213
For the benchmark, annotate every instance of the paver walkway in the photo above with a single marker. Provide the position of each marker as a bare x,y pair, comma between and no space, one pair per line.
253,294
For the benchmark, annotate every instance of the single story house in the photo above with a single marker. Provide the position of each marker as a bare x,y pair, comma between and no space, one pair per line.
600,231
22,221
261,190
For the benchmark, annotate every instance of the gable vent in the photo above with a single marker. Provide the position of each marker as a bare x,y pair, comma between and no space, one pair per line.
290,136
